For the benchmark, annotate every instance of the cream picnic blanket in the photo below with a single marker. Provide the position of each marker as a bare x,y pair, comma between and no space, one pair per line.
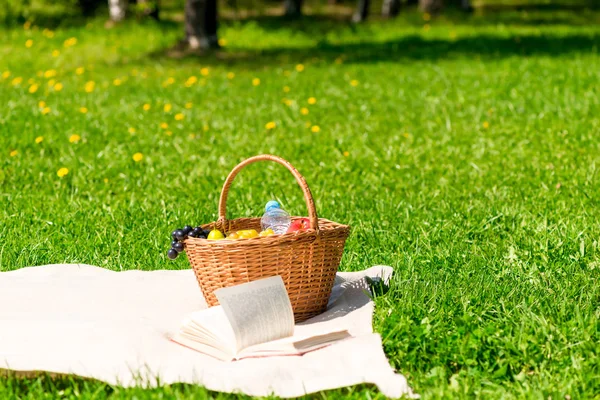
113,326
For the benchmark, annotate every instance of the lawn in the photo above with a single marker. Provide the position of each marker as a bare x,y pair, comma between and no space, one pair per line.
463,151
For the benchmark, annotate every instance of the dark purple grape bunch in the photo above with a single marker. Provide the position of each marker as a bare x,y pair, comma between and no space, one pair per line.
179,235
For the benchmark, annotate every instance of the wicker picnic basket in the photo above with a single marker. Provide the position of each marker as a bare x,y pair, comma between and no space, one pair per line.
306,260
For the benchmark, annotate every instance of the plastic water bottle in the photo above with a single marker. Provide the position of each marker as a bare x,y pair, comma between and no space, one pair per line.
275,218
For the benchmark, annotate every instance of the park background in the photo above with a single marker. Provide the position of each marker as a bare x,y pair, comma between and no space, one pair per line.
461,147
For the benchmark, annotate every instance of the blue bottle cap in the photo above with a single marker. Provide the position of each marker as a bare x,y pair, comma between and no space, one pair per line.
271,205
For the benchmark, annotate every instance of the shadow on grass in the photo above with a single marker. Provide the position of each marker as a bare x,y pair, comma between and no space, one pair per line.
405,48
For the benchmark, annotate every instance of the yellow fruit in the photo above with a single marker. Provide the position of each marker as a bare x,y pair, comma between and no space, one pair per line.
266,232
215,235
233,235
247,234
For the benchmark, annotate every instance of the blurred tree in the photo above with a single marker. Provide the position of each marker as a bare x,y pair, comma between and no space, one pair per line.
362,11
117,9
431,6
293,8
201,24
390,8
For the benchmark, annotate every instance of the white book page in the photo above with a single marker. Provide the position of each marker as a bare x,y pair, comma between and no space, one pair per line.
258,311
208,329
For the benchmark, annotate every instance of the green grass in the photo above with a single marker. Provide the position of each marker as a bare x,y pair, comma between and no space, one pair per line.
466,157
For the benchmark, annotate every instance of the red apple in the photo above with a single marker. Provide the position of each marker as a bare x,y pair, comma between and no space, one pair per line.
301,224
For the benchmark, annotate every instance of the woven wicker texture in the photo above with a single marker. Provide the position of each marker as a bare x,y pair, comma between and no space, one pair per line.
306,260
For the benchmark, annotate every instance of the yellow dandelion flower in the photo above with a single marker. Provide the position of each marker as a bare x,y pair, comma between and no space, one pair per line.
192,136
146,107
204,71
406,135
5,74
74,138
48,33
62,172
27,25
50,73
222,42
45,110
339,60
346,153
304,111
286,89
230,75
270,125
179,116
205,128
83,110
315,129
14,153
167,107
299,67
105,180
42,104
312,100
117,82
39,139
31,81
131,130
55,53
33,88
288,102
137,157
17,81
79,70
190,81
188,105
169,133
90,86
51,82
354,82
70,42
486,124
58,87
164,125
169,81
426,16
255,82
29,43
426,27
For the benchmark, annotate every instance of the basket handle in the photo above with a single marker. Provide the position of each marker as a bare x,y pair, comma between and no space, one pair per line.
310,203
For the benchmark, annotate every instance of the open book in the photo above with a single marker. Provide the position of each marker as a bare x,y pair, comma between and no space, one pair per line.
253,320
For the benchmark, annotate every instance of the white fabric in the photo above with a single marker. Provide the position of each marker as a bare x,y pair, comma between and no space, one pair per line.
113,326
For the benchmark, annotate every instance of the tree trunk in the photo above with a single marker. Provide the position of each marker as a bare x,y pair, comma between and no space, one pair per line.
117,9
430,6
362,11
201,24
412,2
390,8
293,8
